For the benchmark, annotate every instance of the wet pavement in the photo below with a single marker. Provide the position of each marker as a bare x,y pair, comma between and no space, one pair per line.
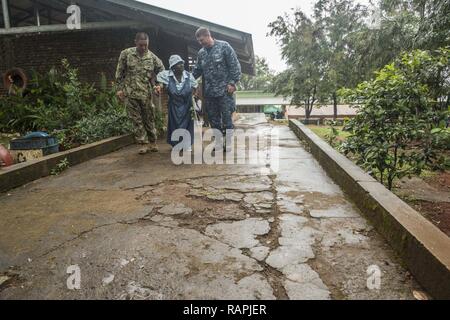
140,227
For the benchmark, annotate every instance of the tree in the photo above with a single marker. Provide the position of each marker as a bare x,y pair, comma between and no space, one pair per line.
300,40
338,46
400,124
378,45
262,79
434,24
319,52
339,20
403,25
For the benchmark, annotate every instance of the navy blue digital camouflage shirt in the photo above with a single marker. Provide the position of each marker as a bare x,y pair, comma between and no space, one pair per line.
219,67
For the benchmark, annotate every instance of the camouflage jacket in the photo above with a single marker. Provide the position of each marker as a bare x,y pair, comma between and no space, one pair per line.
219,67
134,73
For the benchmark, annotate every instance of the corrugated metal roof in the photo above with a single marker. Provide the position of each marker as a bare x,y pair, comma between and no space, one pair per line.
183,26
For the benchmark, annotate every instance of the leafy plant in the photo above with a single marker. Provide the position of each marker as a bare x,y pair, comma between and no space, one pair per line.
263,77
331,137
55,100
60,167
59,103
301,46
105,124
398,129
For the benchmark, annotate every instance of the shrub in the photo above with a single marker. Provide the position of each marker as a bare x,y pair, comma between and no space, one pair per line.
60,167
398,130
55,100
76,113
331,136
105,124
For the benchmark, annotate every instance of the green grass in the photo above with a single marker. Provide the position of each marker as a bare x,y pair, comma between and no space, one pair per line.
322,131
428,174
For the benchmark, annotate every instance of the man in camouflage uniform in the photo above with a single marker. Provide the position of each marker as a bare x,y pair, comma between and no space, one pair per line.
217,62
135,77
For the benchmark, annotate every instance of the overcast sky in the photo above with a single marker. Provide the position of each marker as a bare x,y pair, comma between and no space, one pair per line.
251,16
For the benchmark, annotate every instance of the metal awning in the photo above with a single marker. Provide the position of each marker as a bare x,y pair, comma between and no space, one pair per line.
31,16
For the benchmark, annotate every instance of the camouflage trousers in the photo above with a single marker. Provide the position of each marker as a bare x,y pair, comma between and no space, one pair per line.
220,112
142,114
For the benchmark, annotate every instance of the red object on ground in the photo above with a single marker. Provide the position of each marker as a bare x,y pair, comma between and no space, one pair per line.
5,156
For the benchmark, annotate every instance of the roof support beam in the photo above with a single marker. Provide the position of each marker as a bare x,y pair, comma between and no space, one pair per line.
36,12
63,27
5,10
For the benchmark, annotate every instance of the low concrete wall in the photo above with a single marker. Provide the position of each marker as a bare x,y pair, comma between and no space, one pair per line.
424,248
20,174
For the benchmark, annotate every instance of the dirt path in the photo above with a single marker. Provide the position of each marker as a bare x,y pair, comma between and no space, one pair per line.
429,196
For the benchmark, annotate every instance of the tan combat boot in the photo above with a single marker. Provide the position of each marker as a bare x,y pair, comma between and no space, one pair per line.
154,147
144,149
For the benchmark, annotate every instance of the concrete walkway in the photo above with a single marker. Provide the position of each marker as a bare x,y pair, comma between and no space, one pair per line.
140,227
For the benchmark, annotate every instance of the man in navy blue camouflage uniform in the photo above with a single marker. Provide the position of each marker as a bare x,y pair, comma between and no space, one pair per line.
217,62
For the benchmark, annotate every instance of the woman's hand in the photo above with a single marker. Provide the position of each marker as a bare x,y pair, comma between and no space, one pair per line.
157,90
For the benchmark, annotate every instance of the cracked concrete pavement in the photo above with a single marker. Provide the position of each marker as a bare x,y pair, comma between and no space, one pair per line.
140,227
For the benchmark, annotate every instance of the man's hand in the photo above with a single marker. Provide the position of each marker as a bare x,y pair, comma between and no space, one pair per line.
195,93
157,90
231,89
121,95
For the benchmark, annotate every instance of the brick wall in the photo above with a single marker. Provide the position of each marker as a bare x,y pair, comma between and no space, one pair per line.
93,52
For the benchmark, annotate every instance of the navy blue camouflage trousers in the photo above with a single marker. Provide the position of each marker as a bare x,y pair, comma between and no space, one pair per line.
220,112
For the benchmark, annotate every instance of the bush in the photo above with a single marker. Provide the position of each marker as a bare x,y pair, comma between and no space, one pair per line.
107,123
55,100
60,167
76,113
331,136
399,129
